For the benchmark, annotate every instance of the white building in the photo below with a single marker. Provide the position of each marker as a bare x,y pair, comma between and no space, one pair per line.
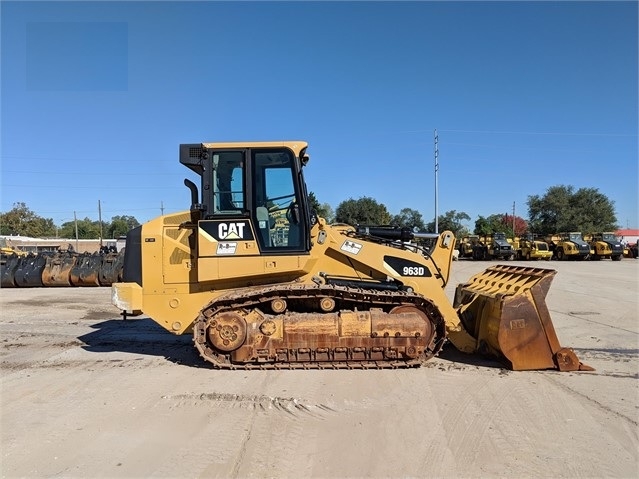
36,245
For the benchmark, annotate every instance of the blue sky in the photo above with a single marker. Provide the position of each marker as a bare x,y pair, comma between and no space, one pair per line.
97,96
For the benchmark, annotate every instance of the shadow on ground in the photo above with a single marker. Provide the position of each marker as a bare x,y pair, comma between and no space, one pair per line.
449,353
141,336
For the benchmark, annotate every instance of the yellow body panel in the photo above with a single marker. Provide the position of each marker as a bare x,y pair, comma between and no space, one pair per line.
178,284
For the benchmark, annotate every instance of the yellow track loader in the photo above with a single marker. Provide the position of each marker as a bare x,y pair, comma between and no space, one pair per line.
262,282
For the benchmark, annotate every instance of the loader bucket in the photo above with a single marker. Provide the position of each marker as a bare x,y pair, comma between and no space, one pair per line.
29,271
110,269
86,270
57,271
504,309
9,265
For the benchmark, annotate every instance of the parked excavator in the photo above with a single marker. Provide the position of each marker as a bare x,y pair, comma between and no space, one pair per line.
262,282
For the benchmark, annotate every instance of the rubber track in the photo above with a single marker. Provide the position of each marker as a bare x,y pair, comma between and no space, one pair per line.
250,298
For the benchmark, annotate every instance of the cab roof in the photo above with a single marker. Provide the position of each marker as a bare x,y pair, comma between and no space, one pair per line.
296,145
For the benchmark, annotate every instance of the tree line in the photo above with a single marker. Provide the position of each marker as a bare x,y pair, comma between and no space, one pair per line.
560,209
21,220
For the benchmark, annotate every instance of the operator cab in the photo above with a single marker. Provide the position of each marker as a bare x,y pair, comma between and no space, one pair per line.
251,192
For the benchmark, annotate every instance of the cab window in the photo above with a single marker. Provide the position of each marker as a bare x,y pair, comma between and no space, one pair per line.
276,212
228,182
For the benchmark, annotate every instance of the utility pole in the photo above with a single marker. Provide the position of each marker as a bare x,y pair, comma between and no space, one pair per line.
162,207
436,184
75,220
100,220
513,220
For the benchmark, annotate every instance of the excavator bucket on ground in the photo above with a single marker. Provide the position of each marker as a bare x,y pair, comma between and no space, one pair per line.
110,268
9,264
58,268
504,309
29,272
86,270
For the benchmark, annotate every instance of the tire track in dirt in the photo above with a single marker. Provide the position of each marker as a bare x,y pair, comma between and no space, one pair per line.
580,316
243,434
465,434
273,450
262,403
492,418
235,441
60,435
236,428
593,401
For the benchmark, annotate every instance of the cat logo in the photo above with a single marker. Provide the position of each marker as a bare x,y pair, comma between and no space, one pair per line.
238,230
231,231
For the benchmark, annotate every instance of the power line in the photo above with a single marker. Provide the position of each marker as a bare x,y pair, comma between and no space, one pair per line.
79,173
91,187
100,161
110,211
551,133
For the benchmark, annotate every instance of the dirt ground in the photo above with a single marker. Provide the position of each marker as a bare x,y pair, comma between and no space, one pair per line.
85,394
